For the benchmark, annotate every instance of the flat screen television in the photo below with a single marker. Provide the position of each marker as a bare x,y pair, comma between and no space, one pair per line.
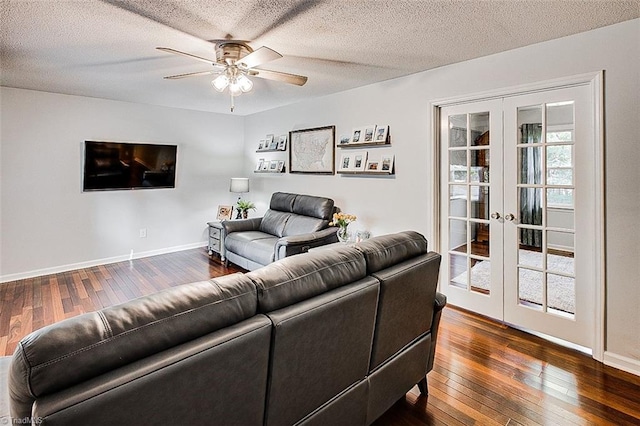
118,165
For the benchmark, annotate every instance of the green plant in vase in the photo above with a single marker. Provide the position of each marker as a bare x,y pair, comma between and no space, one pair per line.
243,207
342,221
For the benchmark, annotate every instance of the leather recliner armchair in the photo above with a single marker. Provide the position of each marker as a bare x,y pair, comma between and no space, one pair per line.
293,224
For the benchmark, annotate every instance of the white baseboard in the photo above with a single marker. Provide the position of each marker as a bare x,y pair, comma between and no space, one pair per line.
96,262
620,362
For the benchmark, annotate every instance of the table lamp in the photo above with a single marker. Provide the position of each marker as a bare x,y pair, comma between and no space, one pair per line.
239,186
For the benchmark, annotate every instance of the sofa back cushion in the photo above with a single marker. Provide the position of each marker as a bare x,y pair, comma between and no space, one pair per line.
298,224
273,222
303,276
387,250
318,207
79,348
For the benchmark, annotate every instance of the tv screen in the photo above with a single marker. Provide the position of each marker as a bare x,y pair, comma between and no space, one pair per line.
119,165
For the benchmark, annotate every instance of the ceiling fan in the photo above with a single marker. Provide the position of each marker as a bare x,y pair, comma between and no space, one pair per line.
235,62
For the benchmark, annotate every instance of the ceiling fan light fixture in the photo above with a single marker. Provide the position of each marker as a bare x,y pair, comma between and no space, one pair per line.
245,84
220,82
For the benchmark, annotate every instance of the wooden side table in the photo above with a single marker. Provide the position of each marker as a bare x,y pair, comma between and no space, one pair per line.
216,239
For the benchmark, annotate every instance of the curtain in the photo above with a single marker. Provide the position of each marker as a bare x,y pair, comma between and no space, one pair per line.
531,173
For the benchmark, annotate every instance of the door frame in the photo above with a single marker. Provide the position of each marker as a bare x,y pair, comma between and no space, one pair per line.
595,82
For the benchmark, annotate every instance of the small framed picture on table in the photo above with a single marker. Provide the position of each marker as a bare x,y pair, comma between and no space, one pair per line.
225,213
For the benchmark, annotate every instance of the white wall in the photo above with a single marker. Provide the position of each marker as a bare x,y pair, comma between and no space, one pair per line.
49,224
405,201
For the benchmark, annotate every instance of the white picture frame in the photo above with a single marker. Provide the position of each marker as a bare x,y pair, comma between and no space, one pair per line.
359,161
381,134
282,142
344,140
265,165
369,133
259,166
280,167
357,135
263,143
387,163
373,166
346,162
273,166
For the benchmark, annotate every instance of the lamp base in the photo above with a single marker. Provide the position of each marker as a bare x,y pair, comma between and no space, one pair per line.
239,215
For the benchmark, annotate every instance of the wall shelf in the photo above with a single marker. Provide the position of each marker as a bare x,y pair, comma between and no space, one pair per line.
271,150
367,173
364,145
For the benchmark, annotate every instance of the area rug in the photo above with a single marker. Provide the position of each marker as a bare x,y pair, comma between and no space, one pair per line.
560,289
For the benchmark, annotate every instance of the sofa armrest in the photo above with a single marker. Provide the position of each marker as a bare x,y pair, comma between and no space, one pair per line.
439,304
296,244
240,225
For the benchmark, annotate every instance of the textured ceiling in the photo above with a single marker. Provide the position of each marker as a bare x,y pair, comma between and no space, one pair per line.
106,48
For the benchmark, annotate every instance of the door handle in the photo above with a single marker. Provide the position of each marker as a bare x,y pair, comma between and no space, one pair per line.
510,217
495,215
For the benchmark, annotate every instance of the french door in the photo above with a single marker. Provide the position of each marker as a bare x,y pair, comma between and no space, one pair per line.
517,210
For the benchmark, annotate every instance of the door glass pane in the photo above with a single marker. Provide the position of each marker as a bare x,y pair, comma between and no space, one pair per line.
458,165
458,235
530,124
530,201
529,257
560,218
479,165
479,202
530,285
479,123
458,270
560,197
458,200
561,293
458,130
559,165
480,276
560,252
559,121
530,161
479,239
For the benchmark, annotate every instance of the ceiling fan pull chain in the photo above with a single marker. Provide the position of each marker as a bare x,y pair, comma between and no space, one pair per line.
232,103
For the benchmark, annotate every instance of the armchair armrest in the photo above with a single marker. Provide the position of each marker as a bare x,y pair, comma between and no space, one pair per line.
438,306
240,225
296,244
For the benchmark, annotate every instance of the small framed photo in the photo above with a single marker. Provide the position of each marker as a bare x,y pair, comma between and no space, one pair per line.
225,212
368,133
282,142
382,133
280,168
259,166
386,163
346,162
273,166
359,161
273,145
265,165
373,166
269,139
262,144
345,139
357,136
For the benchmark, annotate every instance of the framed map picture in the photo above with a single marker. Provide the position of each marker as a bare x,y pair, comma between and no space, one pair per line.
312,150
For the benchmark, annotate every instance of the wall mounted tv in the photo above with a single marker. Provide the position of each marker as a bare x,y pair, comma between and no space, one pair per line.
118,165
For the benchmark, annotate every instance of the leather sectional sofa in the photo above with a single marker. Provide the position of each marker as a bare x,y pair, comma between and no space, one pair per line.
334,336
293,224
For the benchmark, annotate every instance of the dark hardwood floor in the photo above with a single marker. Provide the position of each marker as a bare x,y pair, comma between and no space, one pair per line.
485,373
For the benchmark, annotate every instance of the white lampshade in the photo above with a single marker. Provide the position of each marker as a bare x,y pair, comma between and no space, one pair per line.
245,84
220,82
239,185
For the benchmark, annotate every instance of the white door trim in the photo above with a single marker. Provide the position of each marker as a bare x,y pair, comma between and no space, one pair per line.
595,82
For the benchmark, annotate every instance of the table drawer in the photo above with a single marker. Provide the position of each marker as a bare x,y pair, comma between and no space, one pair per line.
214,232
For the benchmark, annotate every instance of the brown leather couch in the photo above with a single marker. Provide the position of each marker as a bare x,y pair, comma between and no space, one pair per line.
334,336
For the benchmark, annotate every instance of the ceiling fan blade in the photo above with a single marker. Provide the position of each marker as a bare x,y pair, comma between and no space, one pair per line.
191,74
298,80
258,57
188,55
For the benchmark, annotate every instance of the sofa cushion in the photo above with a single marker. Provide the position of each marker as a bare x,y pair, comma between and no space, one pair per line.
273,222
296,278
298,225
318,207
386,250
69,352
282,201
256,246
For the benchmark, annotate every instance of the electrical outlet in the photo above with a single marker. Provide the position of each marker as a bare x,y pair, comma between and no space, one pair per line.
143,232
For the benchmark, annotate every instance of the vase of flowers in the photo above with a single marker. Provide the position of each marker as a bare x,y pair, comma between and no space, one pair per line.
342,221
